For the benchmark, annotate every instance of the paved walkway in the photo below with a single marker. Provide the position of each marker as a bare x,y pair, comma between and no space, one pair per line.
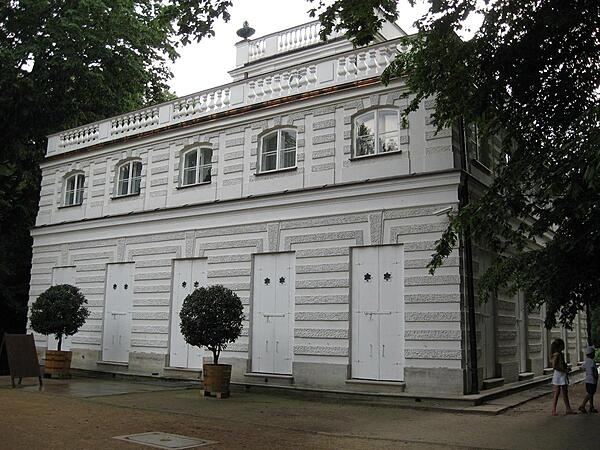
89,413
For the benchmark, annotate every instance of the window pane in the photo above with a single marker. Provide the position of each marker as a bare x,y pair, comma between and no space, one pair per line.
190,159
205,173
71,184
136,184
80,181
124,172
205,156
471,139
123,186
269,161
485,154
365,125
365,146
388,121
289,139
189,176
288,158
388,142
137,169
69,198
269,142
79,196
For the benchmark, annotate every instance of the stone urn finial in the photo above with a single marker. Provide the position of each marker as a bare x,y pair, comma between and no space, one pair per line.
246,31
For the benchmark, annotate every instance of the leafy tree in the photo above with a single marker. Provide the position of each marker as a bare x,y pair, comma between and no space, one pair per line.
60,311
529,76
212,317
66,63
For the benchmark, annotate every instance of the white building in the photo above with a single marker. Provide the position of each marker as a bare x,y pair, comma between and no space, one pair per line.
298,186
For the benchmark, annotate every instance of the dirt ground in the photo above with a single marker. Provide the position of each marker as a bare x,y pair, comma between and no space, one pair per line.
92,415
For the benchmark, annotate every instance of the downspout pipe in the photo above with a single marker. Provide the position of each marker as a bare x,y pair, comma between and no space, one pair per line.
467,249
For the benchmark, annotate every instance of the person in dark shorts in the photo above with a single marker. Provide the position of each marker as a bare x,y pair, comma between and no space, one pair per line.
591,379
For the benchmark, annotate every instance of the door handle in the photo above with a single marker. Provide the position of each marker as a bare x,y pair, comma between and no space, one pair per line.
267,345
383,351
371,350
276,346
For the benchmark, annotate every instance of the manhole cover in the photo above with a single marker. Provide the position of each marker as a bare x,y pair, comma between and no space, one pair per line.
164,440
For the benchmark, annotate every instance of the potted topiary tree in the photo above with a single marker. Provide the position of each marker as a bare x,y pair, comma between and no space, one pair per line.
212,317
60,311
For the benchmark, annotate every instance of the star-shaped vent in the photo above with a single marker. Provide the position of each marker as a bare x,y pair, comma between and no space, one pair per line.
126,286
267,281
196,284
387,276
184,284
115,286
367,277
281,280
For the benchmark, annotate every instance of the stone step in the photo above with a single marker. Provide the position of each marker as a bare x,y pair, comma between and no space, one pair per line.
526,376
492,383
268,379
375,386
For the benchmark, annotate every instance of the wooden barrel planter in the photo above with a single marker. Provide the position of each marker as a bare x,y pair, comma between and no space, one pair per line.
216,380
58,364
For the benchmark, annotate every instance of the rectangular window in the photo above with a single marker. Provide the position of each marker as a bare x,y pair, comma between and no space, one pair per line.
74,189
197,167
477,148
376,132
278,150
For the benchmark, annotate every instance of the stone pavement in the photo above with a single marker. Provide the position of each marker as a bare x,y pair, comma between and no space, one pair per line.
89,413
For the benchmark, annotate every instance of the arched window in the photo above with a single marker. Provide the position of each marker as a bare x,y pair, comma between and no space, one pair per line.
74,189
277,150
197,165
129,178
376,131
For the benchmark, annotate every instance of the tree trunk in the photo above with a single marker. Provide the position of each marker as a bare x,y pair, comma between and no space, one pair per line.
215,352
588,321
59,342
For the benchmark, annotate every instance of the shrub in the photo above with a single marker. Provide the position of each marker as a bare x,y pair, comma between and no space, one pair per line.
59,310
211,317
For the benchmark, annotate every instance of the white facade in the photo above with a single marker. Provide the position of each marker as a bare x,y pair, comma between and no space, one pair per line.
270,177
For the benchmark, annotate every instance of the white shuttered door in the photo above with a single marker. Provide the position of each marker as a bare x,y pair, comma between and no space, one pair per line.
188,274
116,339
378,313
273,313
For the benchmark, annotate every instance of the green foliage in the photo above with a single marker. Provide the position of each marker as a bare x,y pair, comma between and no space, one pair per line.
530,77
211,317
66,63
60,311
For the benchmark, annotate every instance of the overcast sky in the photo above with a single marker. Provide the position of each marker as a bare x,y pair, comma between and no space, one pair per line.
205,65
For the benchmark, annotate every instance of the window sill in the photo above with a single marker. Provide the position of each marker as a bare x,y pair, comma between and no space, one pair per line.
479,165
187,186
117,197
70,206
376,155
287,169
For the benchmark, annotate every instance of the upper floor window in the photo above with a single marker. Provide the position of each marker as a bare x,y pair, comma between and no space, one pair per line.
74,189
476,147
129,178
277,150
376,131
197,165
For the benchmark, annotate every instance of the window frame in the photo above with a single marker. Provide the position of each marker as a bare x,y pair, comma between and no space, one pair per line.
76,191
198,167
476,155
278,150
130,178
376,135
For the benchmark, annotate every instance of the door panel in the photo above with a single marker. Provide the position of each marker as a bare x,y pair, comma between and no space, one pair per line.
521,315
365,286
378,313
273,313
116,342
188,274
284,311
61,275
391,309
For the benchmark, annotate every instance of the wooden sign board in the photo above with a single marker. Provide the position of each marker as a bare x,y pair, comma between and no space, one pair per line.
22,356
